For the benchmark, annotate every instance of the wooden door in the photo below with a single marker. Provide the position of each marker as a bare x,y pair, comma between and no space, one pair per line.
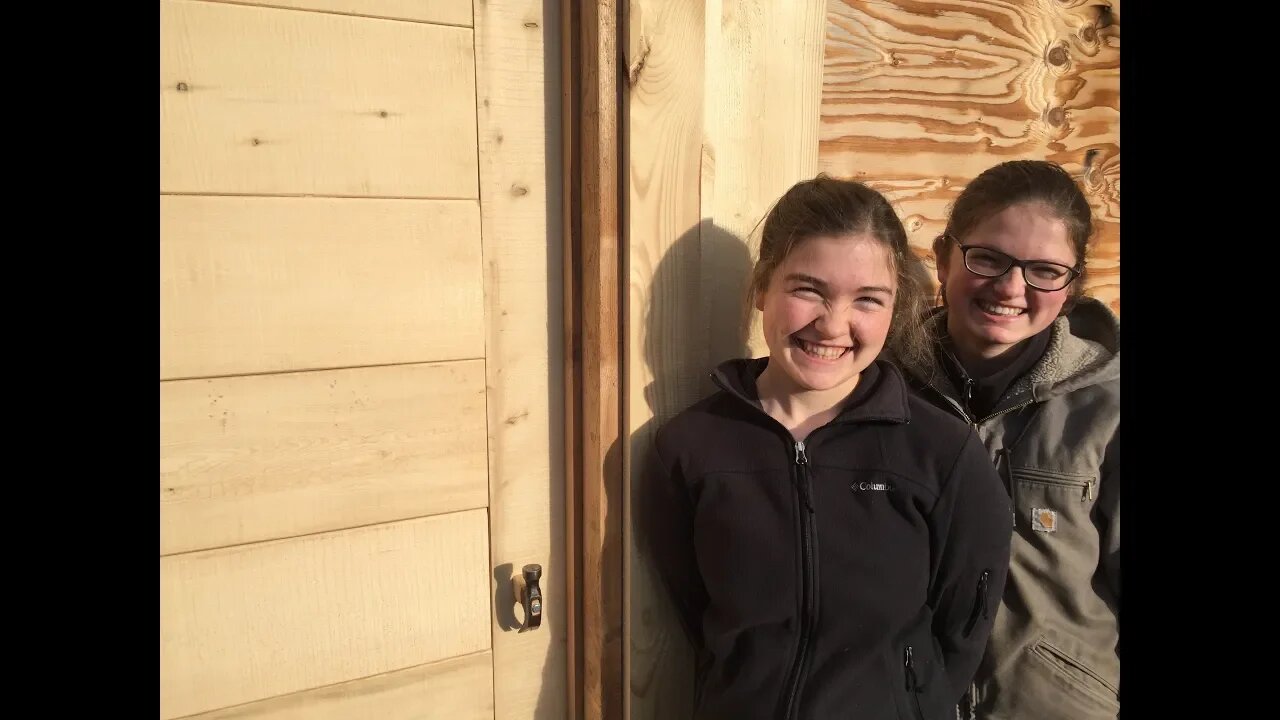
360,431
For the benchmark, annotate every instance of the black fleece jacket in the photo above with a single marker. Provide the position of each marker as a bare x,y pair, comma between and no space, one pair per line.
855,574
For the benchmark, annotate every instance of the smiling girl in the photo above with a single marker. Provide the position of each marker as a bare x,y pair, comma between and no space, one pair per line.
834,544
1034,366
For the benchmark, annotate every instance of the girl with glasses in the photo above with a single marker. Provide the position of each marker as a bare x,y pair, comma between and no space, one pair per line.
1034,366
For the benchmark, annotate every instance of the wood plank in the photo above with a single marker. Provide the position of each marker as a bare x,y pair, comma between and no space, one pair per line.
571,69
592,181
720,125
763,98
261,457
256,621
668,74
522,245
274,284
457,689
447,12
264,101
920,98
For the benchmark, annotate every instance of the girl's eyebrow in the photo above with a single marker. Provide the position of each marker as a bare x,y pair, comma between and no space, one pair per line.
822,285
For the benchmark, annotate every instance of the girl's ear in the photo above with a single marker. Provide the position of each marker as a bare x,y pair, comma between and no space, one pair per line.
941,264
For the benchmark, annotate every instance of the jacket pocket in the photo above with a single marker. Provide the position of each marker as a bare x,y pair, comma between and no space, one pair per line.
1052,503
923,686
1076,673
1087,485
913,687
981,603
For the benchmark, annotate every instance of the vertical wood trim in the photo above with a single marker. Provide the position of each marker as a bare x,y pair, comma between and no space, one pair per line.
593,330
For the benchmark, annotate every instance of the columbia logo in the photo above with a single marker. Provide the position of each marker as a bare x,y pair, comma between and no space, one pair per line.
862,486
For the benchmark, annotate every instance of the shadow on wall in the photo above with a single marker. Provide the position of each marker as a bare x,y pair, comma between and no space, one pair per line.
553,696
696,317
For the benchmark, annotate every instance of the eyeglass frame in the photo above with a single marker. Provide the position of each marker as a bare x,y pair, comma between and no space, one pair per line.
1074,270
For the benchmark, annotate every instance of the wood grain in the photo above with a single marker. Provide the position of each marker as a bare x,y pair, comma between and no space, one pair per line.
666,349
722,119
255,621
323,192
594,324
260,457
521,305
447,12
257,100
460,688
571,62
919,98
763,97
274,284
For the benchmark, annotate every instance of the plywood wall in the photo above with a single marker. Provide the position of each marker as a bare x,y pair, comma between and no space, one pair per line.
920,97
721,118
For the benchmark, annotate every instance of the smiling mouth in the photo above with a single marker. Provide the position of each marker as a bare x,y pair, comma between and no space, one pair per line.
1002,310
820,352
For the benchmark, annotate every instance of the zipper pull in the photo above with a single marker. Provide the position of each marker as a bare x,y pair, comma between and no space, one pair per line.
1004,463
1088,489
982,591
980,609
911,670
802,459
968,400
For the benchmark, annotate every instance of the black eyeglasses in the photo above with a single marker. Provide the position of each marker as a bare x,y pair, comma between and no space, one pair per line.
1039,274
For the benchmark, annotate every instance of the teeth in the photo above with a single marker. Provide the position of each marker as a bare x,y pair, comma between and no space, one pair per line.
1000,309
820,351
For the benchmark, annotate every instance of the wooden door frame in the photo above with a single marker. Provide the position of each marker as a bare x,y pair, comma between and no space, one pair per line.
595,398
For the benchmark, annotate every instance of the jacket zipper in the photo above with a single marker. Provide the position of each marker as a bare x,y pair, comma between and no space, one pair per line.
1005,411
968,394
1004,463
808,592
913,684
980,610
1004,458
958,407
808,543
964,415
1086,485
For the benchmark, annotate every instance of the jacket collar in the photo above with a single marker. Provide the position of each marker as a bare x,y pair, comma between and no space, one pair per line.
881,394
1083,350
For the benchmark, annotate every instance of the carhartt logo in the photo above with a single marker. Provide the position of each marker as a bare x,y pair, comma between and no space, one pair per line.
1044,520
861,486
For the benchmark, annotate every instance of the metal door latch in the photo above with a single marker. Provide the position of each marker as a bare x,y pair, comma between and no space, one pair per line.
531,598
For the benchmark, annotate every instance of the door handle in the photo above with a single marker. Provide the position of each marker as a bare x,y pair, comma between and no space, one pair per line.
531,597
